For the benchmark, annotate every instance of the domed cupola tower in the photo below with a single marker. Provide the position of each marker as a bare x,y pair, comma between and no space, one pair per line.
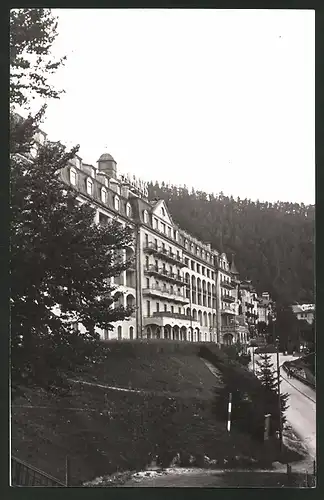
107,165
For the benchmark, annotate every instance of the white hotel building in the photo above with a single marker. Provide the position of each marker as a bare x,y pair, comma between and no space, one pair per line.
180,287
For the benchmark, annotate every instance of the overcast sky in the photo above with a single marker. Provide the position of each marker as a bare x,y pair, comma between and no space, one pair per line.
218,100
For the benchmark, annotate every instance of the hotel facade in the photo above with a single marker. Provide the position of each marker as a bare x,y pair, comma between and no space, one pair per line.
180,288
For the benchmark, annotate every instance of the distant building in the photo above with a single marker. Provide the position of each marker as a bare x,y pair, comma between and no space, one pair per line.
304,312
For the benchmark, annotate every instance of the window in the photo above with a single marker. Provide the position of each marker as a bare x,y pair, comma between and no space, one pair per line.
146,240
148,307
198,268
179,309
165,307
170,250
207,256
131,332
156,224
116,203
73,176
157,307
145,216
128,210
155,242
163,247
197,250
208,273
169,232
186,261
163,227
104,195
119,332
192,265
186,243
203,270
213,275
147,282
89,186
172,309
147,261
175,234
162,211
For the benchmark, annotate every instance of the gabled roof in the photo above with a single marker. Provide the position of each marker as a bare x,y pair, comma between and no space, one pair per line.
157,207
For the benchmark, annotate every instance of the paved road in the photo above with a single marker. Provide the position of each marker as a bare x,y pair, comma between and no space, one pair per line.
301,414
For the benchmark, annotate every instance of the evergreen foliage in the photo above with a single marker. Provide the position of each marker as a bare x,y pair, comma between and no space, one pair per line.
32,33
251,400
61,261
268,377
273,243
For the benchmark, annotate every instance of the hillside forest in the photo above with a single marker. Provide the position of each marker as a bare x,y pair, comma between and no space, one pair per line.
273,243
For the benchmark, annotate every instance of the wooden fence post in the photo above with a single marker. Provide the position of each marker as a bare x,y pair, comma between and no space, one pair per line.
67,471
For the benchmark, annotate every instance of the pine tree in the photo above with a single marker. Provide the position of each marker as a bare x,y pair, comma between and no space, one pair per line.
268,378
61,262
32,33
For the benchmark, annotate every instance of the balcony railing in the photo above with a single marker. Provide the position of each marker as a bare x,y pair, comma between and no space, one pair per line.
227,284
164,253
227,310
175,278
158,291
169,314
228,298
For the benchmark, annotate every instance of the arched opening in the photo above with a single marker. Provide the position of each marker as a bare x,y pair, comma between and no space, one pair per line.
210,324
200,318
130,302
188,311
158,332
131,332
175,333
228,339
119,332
167,332
214,320
148,332
183,333
119,299
194,314
205,319
208,288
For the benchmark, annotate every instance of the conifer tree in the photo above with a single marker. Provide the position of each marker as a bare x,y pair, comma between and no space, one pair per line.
61,261
268,377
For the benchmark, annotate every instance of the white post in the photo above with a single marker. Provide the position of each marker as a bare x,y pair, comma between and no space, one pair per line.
229,412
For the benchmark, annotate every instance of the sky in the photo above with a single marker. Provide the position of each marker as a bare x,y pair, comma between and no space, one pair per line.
218,100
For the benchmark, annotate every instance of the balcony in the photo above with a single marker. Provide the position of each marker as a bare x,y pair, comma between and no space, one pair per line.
227,310
169,314
228,298
164,254
150,248
227,285
157,291
159,271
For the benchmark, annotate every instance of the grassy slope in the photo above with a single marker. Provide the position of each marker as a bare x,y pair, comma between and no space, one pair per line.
104,430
